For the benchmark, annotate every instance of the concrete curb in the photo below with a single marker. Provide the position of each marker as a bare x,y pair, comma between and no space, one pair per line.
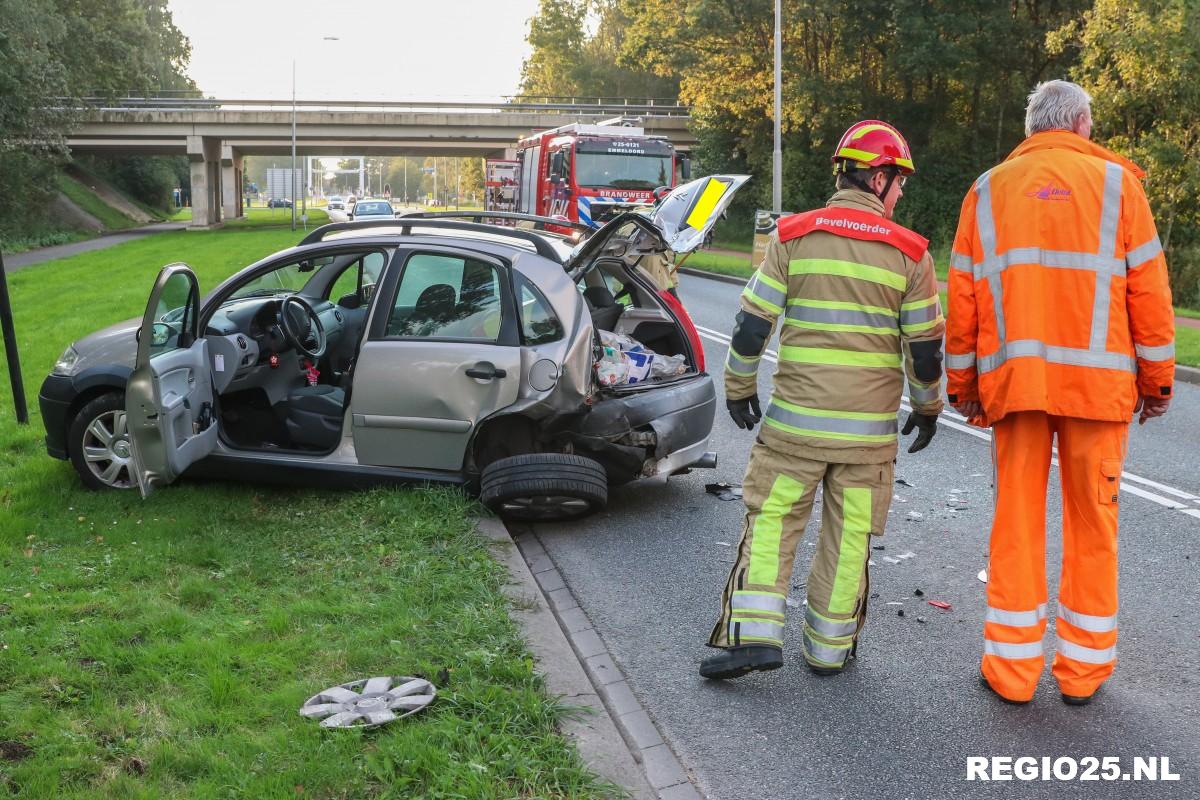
714,276
1182,373
600,744
581,655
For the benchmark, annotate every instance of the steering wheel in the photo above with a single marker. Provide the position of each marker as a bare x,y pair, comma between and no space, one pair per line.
301,326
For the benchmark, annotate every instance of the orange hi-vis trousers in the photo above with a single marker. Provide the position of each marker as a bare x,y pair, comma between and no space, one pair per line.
1090,455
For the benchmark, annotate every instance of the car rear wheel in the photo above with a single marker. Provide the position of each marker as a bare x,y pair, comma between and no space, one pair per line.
99,444
541,487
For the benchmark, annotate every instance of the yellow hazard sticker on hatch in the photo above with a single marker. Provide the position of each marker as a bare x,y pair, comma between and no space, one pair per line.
705,204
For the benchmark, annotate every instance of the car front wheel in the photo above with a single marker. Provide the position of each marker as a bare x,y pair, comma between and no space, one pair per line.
99,444
541,487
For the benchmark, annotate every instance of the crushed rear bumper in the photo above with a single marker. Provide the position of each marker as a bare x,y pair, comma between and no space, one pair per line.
656,431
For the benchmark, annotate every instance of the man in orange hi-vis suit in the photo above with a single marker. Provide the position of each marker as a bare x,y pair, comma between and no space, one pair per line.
1060,324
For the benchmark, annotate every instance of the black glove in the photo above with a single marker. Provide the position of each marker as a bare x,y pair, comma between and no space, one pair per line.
928,426
745,412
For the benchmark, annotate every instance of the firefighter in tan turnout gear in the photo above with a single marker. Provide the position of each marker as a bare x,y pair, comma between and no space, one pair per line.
859,302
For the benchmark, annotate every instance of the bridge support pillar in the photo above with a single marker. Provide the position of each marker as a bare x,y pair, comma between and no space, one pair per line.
232,163
204,153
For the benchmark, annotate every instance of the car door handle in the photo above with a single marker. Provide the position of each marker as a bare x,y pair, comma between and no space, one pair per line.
485,371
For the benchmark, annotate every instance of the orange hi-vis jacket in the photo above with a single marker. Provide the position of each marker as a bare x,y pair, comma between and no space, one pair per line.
1059,300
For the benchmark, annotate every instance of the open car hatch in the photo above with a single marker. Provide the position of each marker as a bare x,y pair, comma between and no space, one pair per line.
681,222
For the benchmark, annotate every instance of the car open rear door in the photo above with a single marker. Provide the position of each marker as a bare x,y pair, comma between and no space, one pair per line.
442,352
169,396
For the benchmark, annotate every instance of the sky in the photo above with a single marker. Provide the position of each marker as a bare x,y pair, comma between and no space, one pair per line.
385,49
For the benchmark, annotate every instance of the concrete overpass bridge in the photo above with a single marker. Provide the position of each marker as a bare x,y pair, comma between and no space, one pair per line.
216,135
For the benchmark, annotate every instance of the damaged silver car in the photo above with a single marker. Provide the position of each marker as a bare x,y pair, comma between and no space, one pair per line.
431,348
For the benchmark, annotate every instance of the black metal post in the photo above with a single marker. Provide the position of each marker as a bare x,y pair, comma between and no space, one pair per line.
10,349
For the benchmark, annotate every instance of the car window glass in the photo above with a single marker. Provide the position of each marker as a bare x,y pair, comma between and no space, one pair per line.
538,323
371,265
282,280
171,314
448,297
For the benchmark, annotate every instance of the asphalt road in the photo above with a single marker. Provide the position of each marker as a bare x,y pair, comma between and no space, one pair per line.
902,722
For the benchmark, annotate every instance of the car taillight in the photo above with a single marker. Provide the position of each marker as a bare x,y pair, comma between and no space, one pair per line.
689,327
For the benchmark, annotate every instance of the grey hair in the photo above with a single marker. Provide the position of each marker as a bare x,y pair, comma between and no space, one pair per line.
1055,105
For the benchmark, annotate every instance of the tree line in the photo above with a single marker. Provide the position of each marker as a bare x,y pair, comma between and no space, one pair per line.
52,54
953,75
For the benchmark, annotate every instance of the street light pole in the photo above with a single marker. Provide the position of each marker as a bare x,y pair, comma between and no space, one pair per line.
777,154
292,182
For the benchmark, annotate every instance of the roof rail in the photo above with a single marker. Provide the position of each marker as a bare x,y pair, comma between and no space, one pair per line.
543,247
541,222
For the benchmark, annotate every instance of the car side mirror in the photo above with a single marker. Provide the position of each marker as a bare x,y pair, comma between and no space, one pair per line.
160,334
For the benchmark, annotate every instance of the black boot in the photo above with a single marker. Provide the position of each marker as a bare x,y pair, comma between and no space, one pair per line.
735,662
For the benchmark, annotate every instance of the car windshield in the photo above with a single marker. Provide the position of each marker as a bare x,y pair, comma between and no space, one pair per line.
622,170
288,279
373,208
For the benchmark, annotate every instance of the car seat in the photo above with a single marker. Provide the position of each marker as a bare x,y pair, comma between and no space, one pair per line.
604,308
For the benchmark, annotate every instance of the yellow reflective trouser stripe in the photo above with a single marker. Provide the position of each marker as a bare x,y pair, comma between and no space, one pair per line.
768,530
839,358
847,269
856,527
833,655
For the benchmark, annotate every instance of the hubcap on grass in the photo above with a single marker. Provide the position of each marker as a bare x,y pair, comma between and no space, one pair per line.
369,703
106,449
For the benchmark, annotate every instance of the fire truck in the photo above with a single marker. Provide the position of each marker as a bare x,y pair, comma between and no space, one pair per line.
590,173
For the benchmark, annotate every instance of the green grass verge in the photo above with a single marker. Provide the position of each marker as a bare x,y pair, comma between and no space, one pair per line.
718,262
90,202
1187,346
260,217
161,648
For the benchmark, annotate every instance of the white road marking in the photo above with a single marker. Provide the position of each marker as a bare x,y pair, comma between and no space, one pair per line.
952,419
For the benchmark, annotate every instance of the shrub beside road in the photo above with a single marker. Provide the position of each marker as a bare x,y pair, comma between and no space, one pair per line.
162,648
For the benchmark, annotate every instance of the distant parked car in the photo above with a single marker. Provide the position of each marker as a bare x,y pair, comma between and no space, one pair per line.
336,203
428,350
279,202
372,209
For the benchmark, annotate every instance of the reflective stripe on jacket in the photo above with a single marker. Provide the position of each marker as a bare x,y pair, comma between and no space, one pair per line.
1059,300
851,311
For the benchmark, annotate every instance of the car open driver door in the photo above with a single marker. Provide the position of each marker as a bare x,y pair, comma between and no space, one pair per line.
169,396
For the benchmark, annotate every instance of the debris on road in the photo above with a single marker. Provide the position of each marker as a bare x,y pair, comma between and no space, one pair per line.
724,544
942,604
956,503
899,558
903,482
724,491
915,515
918,593
921,620
878,547
894,603
982,575
900,612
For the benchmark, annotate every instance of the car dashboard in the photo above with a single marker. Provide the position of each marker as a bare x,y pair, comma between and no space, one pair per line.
244,334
